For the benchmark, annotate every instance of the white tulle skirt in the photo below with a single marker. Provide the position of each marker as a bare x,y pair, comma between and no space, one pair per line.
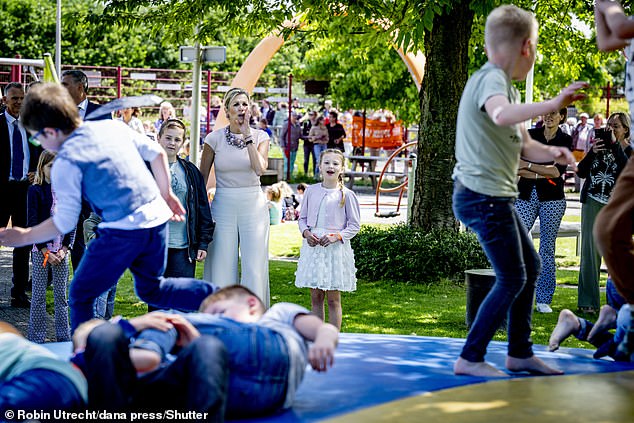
328,268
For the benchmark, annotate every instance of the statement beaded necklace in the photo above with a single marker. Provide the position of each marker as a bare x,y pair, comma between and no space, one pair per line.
234,140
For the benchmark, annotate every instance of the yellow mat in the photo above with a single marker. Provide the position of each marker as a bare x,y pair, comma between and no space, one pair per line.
592,398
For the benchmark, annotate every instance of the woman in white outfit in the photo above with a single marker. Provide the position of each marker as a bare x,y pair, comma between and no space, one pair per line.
240,155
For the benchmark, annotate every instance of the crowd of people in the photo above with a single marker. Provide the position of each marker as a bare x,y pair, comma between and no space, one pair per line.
148,213
226,350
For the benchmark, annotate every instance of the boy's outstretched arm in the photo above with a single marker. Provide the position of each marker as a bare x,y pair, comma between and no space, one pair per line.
325,337
535,151
18,237
504,113
161,173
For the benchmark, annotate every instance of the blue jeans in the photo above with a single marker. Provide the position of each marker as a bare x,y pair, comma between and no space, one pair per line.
40,390
317,150
512,255
143,251
293,155
179,264
195,381
104,304
258,362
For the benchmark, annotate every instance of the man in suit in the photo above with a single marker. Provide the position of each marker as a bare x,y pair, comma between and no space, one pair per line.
18,162
76,82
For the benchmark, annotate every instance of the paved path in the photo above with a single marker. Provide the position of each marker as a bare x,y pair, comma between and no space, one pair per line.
18,317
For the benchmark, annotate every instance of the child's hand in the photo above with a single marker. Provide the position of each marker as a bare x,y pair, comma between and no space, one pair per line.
311,238
564,156
54,258
155,320
321,355
570,95
201,255
328,239
177,208
186,331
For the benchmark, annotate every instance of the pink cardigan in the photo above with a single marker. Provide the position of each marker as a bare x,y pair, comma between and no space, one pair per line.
346,219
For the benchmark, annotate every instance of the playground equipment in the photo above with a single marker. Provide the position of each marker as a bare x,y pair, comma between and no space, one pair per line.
402,187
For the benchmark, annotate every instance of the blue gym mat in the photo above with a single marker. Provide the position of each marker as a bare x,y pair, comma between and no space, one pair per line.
375,369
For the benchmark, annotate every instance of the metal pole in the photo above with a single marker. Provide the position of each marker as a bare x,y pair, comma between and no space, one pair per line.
119,80
288,127
58,39
194,143
607,101
208,130
529,92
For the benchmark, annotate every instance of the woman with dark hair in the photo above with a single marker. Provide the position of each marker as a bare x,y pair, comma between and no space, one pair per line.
601,168
239,155
541,194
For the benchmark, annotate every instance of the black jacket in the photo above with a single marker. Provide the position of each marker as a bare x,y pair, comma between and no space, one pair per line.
200,224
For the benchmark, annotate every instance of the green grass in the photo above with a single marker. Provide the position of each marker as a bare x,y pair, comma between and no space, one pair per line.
384,307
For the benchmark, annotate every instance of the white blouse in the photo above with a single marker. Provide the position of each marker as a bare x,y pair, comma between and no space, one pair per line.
232,164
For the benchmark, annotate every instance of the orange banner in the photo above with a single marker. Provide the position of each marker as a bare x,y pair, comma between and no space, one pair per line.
377,134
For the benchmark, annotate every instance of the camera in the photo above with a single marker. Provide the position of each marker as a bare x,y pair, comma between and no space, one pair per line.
603,135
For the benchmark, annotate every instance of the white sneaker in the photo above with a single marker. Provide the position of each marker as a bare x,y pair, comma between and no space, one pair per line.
543,308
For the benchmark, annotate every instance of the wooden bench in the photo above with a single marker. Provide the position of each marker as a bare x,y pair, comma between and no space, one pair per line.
566,230
372,173
274,172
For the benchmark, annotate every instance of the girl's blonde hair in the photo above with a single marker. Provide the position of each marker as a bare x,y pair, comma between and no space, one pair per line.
285,189
275,192
45,158
340,178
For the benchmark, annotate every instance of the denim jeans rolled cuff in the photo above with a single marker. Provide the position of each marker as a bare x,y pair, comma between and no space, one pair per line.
512,255
39,390
144,252
612,296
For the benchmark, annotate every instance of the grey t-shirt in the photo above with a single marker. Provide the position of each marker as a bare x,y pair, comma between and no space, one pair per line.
178,230
280,318
487,155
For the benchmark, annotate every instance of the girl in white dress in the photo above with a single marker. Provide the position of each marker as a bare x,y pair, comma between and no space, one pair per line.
329,218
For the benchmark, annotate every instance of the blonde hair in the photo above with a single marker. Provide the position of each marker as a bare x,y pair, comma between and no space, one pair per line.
45,158
508,25
275,192
166,105
80,336
233,93
340,177
285,189
231,292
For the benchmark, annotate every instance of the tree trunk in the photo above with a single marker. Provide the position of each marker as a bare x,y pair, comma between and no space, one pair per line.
446,72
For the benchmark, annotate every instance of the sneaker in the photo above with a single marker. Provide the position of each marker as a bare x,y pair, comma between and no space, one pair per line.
543,308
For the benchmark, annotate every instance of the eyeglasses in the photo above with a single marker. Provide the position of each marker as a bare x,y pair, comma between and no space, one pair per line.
33,138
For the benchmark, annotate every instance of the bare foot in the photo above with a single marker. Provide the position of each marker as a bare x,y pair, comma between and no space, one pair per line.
470,368
607,316
532,365
567,324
